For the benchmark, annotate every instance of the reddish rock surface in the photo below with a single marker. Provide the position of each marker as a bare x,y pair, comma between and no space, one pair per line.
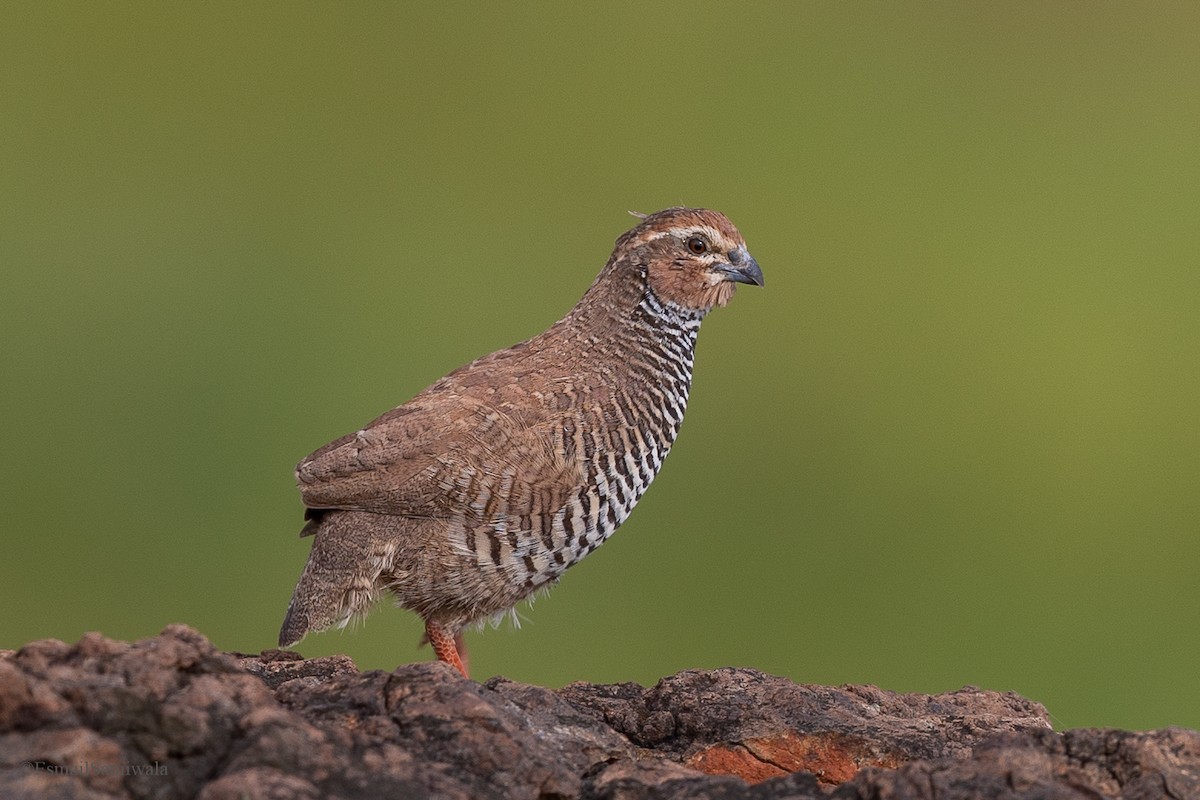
172,717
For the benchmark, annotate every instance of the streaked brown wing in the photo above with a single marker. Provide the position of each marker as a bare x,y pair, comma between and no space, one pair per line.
433,457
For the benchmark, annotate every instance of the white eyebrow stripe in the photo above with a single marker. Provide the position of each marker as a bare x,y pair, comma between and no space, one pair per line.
691,230
684,231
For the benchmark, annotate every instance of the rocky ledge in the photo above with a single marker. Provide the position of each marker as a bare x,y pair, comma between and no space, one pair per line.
172,717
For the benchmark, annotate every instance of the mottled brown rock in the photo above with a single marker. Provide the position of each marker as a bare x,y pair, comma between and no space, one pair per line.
830,757
1082,764
742,722
277,667
172,717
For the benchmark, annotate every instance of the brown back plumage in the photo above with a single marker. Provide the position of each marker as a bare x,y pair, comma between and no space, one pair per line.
495,479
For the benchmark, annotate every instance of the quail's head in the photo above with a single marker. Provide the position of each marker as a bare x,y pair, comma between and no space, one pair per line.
693,258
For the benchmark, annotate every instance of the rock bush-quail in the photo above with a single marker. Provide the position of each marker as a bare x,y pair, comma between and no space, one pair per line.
489,484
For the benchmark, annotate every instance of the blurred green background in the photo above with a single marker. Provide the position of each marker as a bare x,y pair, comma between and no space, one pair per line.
956,439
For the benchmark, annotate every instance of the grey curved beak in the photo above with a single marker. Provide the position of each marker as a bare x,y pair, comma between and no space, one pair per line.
742,268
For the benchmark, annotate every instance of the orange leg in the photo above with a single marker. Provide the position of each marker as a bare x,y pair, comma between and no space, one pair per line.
445,646
460,644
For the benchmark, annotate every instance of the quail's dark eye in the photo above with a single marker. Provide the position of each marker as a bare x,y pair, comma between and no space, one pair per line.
698,245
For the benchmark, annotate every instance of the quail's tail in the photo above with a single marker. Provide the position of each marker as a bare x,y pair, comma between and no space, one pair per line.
295,626
339,581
